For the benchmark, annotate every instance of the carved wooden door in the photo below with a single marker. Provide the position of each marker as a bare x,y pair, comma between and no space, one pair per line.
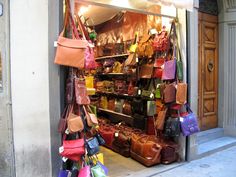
208,71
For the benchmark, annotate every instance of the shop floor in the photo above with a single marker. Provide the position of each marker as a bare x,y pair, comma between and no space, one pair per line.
120,166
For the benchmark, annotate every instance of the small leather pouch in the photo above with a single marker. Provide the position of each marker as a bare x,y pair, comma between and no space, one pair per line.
117,67
82,97
169,93
100,86
181,93
127,108
103,102
75,123
111,104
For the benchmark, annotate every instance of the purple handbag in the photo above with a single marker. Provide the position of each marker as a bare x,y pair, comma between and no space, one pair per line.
189,124
63,173
169,70
105,169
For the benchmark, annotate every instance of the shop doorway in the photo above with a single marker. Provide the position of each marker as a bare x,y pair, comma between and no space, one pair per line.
208,71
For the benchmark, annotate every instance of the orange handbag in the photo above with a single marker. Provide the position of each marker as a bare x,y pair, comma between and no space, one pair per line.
181,93
71,52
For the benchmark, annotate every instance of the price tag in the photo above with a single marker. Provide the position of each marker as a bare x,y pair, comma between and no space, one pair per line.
139,92
181,119
158,85
116,134
151,95
153,31
67,131
61,149
136,59
64,159
55,43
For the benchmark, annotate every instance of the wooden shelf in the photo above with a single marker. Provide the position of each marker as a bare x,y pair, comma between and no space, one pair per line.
119,116
115,74
112,56
113,112
115,94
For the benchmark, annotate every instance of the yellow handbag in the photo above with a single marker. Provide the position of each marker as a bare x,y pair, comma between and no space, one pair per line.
117,67
103,102
89,81
99,157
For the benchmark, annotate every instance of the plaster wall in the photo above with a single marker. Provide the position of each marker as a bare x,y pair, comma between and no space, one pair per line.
6,140
30,87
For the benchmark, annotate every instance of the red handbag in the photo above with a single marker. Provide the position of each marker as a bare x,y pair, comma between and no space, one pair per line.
158,67
73,149
161,41
107,132
81,94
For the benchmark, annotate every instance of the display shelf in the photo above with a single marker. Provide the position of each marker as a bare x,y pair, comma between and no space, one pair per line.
115,94
113,112
115,74
111,56
119,116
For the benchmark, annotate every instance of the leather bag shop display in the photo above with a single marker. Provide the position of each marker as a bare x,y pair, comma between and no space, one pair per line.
145,149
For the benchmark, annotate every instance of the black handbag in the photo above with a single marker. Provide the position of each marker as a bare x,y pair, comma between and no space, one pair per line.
92,146
100,139
140,121
139,106
172,127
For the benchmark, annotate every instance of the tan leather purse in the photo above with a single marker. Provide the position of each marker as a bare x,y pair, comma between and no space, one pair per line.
169,93
146,71
160,120
181,93
75,123
145,48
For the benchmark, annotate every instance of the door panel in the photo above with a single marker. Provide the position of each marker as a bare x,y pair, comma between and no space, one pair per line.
208,71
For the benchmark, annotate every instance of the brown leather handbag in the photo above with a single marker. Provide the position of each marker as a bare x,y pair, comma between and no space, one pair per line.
62,122
169,93
146,71
120,86
127,108
145,48
131,88
117,67
181,93
169,152
71,52
75,123
81,94
146,149
100,86
160,120
111,104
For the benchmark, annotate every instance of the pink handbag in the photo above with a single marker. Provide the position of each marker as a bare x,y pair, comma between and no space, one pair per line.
169,70
84,171
90,62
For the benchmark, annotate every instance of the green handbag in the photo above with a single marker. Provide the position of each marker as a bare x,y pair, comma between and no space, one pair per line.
179,67
148,91
97,171
158,88
151,108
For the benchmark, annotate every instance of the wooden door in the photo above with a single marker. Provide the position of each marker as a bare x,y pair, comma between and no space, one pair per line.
208,71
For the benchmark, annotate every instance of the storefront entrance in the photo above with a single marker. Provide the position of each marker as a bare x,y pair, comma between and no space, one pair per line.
208,71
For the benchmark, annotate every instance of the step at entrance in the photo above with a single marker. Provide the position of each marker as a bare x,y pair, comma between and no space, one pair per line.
212,146
209,135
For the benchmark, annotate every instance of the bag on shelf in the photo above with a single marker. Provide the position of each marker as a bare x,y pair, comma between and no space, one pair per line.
146,71
108,86
139,121
189,123
131,60
111,104
181,93
151,125
145,48
172,127
169,93
89,81
117,67
107,132
119,105
100,86
120,86
103,102
151,108
127,108
146,149
119,48
131,90
81,94
139,106
158,67
71,52
169,152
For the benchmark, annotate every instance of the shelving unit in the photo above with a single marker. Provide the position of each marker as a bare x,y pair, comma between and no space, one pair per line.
119,116
112,56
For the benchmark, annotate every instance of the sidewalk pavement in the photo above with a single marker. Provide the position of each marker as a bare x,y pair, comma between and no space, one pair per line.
220,164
